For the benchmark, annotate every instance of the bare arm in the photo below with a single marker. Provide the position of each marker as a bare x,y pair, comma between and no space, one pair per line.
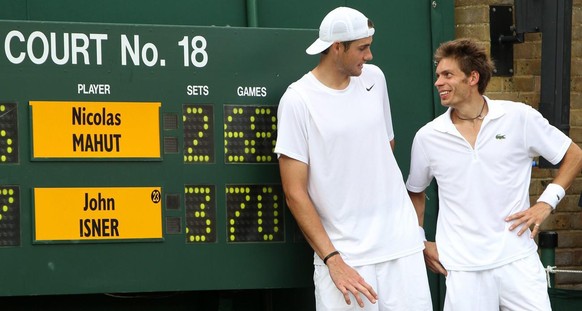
419,205
431,255
569,168
294,176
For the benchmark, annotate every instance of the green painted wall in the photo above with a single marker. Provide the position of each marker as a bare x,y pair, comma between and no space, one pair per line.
271,56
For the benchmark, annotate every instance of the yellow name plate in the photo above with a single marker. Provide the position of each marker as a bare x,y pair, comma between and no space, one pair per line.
95,129
97,213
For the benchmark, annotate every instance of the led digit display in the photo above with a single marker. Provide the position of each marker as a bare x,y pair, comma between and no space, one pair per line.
198,133
8,134
250,134
254,213
9,216
200,206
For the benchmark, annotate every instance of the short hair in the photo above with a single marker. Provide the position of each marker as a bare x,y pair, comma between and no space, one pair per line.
470,56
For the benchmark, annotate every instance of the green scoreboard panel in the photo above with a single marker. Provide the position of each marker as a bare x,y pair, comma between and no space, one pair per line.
140,158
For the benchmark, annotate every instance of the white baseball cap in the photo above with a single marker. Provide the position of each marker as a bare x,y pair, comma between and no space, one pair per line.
339,25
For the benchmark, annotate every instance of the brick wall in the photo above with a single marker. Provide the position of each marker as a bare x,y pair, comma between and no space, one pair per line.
472,20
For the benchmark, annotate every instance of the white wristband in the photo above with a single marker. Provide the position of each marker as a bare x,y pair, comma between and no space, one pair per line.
422,234
553,194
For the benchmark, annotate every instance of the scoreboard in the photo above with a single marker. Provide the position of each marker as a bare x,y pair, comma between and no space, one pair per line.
140,158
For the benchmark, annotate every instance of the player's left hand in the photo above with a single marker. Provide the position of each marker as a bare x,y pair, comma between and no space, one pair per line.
534,215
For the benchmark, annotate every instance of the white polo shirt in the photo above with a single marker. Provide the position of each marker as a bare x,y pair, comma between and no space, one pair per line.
479,187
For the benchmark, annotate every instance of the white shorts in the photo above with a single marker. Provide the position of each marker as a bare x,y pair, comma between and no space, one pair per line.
519,285
401,285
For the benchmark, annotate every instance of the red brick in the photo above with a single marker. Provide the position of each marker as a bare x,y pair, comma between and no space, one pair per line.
570,238
565,257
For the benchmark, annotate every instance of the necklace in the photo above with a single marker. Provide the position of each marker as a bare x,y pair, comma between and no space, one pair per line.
479,116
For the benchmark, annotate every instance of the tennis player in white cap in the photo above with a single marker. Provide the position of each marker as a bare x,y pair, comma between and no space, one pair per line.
341,180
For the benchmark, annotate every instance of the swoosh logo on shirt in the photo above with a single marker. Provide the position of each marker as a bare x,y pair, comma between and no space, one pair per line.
369,88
